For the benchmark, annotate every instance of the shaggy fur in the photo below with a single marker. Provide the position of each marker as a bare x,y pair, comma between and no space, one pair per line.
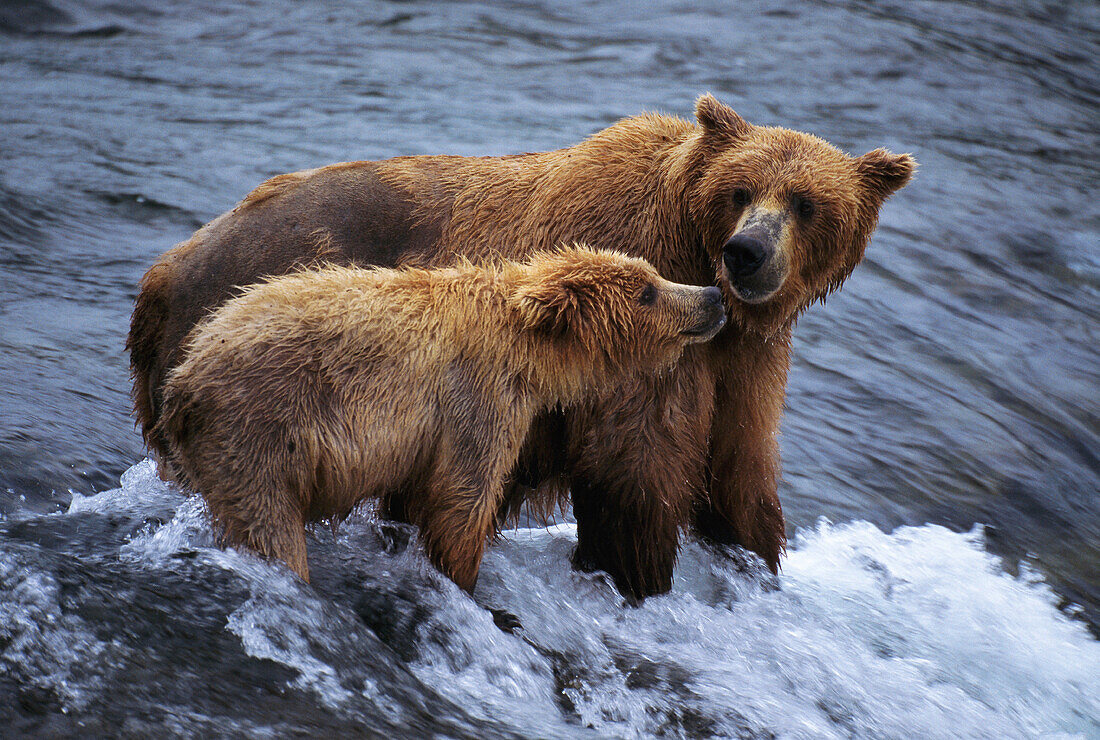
697,448
313,392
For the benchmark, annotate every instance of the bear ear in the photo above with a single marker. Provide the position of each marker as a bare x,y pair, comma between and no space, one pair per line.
885,173
717,118
548,307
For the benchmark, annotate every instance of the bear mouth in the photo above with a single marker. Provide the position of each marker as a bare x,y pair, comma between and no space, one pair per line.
748,294
751,292
706,331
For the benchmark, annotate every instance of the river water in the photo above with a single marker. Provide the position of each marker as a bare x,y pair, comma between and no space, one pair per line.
941,439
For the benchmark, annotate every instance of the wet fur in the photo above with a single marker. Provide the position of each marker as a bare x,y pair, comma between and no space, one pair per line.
695,449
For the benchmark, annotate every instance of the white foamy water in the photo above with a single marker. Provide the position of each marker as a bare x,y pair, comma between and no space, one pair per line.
917,633
914,633
50,647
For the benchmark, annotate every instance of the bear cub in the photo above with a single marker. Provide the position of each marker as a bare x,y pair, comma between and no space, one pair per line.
311,393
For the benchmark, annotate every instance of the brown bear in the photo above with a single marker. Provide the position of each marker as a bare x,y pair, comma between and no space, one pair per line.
313,392
777,218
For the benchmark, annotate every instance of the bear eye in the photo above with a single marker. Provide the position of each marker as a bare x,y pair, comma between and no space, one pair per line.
648,296
741,197
803,206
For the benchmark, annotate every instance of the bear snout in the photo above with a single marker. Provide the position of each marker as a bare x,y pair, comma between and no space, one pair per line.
744,255
753,263
710,316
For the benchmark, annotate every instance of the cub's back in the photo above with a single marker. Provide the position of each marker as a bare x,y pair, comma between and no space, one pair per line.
340,368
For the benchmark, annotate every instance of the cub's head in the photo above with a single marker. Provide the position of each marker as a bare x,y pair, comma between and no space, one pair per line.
785,216
617,307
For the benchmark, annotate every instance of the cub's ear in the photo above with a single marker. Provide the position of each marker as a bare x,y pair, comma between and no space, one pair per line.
885,173
548,307
716,118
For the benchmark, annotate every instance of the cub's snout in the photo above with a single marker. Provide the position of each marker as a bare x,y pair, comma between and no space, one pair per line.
708,314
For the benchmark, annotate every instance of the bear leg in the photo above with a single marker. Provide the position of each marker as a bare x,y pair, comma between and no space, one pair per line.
147,327
286,543
455,542
625,533
759,530
637,462
455,521
270,525
741,505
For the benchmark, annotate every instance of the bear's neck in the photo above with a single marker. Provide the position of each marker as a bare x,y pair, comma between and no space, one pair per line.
555,368
625,188
622,188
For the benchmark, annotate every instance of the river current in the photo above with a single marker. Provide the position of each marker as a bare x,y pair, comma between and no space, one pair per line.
941,443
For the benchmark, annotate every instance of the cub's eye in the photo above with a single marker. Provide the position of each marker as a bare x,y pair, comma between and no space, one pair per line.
741,197
648,296
803,206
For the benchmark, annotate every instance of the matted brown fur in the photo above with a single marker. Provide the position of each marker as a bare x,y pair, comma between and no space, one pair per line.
313,392
697,448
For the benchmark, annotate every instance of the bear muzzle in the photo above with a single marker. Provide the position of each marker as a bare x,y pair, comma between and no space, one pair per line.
712,316
753,263
744,255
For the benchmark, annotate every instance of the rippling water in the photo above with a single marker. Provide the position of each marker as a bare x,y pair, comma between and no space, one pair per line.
954,382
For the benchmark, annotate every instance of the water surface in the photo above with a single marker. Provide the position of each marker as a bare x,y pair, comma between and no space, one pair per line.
952,383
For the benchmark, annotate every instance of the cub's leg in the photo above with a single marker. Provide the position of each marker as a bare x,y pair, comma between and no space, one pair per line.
265,518
457,518
478,446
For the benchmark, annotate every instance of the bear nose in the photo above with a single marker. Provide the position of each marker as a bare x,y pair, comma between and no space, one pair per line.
712,296
744,255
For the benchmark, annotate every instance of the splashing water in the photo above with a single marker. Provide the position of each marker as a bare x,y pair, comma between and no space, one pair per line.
915,633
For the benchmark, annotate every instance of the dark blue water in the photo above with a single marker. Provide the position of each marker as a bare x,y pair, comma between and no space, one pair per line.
953,382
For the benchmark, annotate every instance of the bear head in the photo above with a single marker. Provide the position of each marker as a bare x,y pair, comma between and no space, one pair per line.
616,307
785,216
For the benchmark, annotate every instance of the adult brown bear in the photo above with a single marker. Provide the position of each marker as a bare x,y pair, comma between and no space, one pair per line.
776,217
